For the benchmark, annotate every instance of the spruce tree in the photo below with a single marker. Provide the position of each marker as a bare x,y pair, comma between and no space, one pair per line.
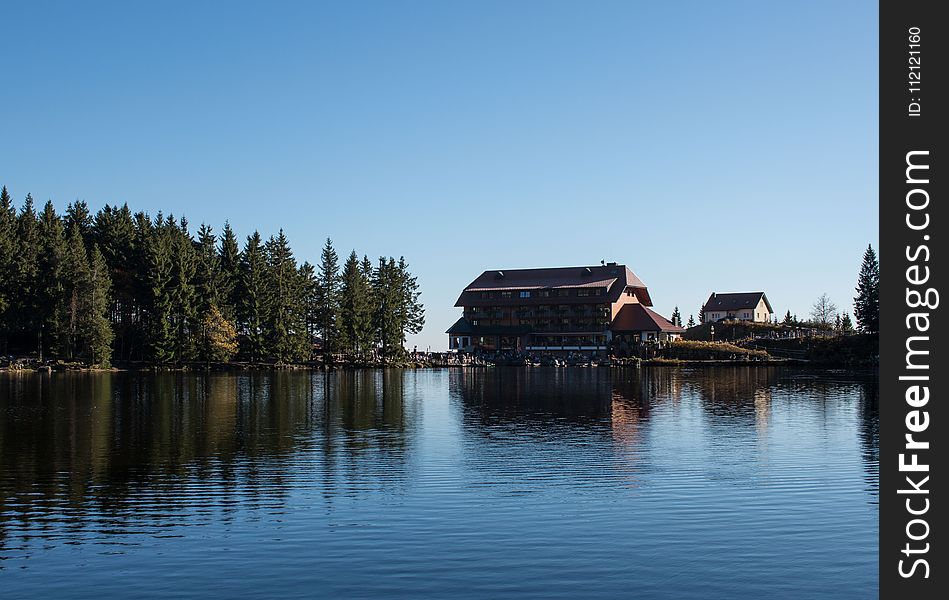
328,299
185,302
676,317
355,315
9,295
254,297
207,282
285,324
230,273
75,277
691,322
412,312
158,279
788,319
50,287
311,296
702,313
866,304
846,324
95,327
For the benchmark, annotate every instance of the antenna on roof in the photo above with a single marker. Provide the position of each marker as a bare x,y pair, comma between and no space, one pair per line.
603,263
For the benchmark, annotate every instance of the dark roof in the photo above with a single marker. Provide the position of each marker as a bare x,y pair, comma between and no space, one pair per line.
636,317
464,327
736,301
613,277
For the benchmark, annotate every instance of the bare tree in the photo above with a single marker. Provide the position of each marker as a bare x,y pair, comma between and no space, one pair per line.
824,311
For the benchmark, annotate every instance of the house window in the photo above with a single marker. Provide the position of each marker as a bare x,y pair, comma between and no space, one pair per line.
474,322
583,292
545,293
563,292
525,294
505,294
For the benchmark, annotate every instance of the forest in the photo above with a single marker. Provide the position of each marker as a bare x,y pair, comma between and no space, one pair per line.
118,287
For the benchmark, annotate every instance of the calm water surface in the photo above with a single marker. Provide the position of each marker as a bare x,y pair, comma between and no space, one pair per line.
575,483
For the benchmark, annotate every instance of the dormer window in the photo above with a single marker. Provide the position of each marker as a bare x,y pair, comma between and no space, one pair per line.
525,294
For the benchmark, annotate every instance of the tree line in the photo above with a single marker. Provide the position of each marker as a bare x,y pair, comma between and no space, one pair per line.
824,313
118,285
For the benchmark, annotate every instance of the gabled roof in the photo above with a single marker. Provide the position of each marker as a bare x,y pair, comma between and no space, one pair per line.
613,277
636,317
736,301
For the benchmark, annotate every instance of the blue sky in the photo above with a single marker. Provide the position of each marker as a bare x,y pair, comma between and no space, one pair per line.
724,146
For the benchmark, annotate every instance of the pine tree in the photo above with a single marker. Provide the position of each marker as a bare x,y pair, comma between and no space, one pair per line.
285,324
846,324
185,308
411,310
866,305
254,297
78,217
159,280
207,283
230,273
328,298
8,247
120,238
702,313
95,327
676,317
50,288
75,277
355,316
311,296
691,322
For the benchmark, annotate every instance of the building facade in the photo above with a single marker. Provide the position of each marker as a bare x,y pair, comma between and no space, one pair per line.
741,306
556,309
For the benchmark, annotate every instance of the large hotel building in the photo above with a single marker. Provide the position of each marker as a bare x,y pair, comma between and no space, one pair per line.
557,309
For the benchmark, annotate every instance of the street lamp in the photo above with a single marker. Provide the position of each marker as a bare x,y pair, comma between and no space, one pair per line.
713,333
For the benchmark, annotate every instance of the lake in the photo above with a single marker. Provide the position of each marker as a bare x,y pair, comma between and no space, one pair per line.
532,482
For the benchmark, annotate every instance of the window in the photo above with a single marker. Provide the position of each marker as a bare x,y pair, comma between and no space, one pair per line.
474,322
525,294
505,294
563,292
583,292
545,293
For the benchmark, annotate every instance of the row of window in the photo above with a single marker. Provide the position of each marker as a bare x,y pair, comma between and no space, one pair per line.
562,293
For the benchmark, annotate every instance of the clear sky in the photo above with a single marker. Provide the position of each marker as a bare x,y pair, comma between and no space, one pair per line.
726,146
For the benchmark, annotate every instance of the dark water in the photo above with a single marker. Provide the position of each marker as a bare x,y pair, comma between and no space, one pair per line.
575,483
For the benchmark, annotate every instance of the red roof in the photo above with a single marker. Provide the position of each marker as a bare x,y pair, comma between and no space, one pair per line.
636,317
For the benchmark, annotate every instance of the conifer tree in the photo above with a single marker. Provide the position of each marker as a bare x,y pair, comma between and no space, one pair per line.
846,324
691,322
207,271
75,278
286,327
412,317
254,297
230,273
311,295
185,308
676,317
78,216
702,313
866,304
355,315
159,281
8,248
95,327
328,298
51,293
788,319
